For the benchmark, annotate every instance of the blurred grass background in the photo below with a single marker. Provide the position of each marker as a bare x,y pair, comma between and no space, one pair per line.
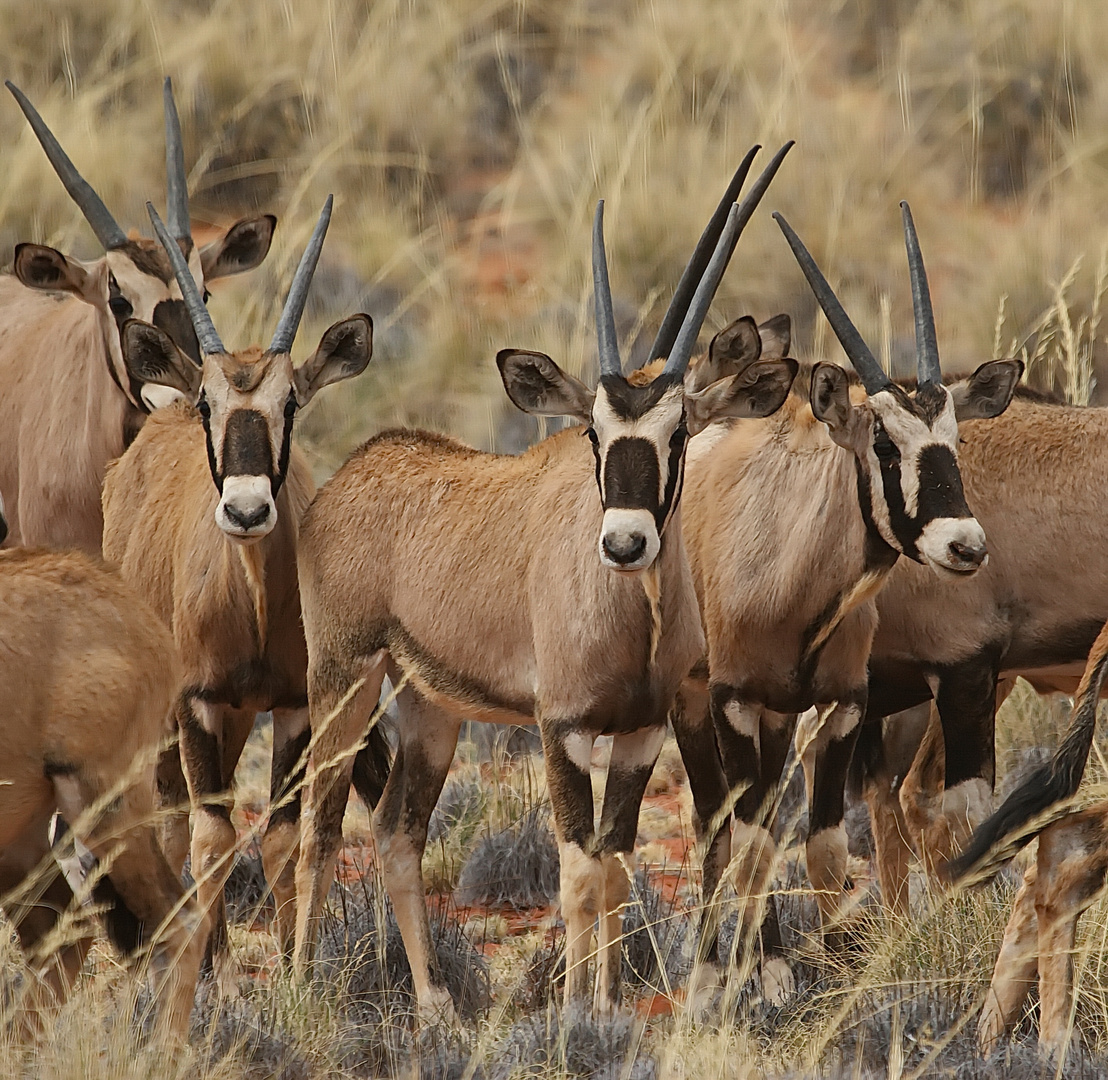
467,142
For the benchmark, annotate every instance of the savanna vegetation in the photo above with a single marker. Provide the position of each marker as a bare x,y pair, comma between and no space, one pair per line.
466,142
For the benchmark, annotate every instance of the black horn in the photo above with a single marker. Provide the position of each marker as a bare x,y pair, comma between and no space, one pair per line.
176,180
705,292
927,342
602,295
865,363
706,245
206,334
285,333
80,190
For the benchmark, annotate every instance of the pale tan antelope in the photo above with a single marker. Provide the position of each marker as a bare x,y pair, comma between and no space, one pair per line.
1032,478
793,524
202,514
88,672
550,586
1066,878
69,404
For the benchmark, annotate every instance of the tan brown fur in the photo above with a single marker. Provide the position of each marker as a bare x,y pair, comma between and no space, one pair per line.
89,672
443,561
159,505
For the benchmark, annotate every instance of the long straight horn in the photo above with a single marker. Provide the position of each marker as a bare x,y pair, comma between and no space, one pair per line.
602,295
705,248
206,335
298,292
702,253
705,292
176,180
865,363
80,190
927,342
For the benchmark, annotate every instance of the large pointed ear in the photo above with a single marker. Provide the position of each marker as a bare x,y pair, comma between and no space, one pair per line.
151,357
988,391
758,390
241,247
538,386
777,336
732,349
829,396
40,267
343,352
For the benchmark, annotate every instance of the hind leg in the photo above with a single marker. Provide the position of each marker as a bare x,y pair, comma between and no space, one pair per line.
1071,865
428,737
342,700
1014,973
173,808
34,895
281,842
169,923
632,762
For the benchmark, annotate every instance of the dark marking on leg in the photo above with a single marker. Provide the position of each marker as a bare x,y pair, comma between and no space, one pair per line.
967,707
287,778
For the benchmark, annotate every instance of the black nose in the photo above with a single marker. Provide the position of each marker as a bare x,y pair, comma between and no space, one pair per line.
974,556
249,520
624,549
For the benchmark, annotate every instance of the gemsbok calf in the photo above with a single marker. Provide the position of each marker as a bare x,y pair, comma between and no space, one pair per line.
1066,878
88,672
69,404
792,525
202,515
549,587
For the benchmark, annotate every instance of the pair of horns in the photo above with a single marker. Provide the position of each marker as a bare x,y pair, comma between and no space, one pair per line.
689,307
872,375
289,323
81,191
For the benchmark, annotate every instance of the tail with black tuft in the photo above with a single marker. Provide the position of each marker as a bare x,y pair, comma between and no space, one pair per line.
1053,782
372,765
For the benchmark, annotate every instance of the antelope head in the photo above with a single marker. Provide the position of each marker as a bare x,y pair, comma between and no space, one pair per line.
134,279
248,400
906,444
639,433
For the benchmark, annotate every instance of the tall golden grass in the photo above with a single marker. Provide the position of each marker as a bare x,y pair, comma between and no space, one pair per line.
466,142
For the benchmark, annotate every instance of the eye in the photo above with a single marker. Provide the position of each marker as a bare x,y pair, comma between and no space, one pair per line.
885,448
593,437
207,295
204,409
290,407
121,307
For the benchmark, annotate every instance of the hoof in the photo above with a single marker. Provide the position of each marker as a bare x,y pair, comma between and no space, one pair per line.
778,982
702,991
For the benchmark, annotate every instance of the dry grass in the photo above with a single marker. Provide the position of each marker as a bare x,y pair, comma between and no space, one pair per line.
466,143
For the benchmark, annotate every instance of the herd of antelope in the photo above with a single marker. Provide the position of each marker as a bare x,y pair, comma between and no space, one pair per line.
754,550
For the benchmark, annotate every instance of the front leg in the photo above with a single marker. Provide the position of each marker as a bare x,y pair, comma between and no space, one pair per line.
567,748
213,835
826,753
281,841
632,762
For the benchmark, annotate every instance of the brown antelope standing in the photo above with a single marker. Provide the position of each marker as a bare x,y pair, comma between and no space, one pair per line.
477,577
88,673
793,524
202,514
1034,611
1065,879
69,404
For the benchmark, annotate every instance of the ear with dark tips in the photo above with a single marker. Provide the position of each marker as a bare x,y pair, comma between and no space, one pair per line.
151,357
829,396
343,352
538,386
242,247
757,391
731,350
41,267
777,336
988,391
